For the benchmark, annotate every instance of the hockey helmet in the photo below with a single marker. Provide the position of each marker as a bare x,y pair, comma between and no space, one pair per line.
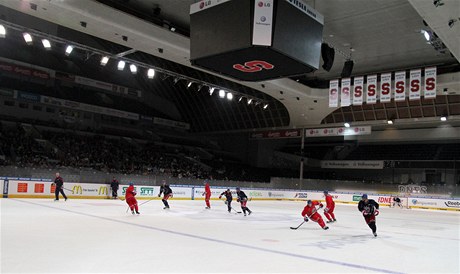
364,196
325,192
309,202
131,183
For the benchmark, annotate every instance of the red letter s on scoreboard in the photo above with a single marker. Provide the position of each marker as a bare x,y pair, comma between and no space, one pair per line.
253,66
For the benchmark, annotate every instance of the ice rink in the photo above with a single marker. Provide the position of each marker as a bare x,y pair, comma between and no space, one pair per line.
98,236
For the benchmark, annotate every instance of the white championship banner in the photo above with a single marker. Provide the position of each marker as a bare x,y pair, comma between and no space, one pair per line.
345,92
400,86
334,93
385,88
430,83
358,91
415,84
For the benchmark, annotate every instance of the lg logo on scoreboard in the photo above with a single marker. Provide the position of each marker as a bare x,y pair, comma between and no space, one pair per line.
253,66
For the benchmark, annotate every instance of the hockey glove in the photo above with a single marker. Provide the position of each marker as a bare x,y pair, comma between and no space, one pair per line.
220,196
326,210
376,212
365,213
305,219
320,205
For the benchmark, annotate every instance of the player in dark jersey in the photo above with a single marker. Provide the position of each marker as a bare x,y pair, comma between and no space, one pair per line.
167,193
229,198
243,199
369,209
59,184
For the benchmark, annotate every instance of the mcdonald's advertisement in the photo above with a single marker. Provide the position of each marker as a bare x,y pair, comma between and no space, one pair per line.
46,188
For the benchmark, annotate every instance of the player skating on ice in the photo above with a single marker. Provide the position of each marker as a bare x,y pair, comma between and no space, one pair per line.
59,183
397,202
369,209
242,199
229,198
207,192
310,212
131,199
167,193
329,210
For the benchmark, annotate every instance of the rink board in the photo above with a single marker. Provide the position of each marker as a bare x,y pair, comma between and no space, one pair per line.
37,188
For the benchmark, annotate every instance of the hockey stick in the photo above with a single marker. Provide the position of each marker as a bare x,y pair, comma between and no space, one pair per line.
294,228
236,210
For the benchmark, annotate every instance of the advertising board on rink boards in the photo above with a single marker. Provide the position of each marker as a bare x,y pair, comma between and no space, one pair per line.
27,188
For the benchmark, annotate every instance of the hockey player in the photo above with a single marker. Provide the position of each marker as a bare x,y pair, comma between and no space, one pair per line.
59,183
397,202
243,199
229,198
114,186
130,199
310,212
329,210
369,209
207,192
167,193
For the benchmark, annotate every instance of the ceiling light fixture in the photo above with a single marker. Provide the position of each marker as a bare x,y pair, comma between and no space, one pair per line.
121,65
249,101
68,50
2,31
221,93
133,68
211,91
27,38
229,96
150,73
443,118
426,34
346,125
46,44
104,60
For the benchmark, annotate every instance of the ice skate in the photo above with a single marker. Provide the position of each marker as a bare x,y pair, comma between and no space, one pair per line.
326,228
375,234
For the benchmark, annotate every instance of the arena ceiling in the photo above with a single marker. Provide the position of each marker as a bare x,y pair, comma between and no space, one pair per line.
379,36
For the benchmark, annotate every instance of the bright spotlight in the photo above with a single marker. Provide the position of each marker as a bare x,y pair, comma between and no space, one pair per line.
189,84
68,50
46,44
229,96
221,93
265,106
443,118
133,68
249,101
151,73
27,38
390,122
426,34
2,31
241,98
346,125
104,60
211,91
121,65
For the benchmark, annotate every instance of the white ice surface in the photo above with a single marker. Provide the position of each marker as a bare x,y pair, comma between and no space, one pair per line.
98,236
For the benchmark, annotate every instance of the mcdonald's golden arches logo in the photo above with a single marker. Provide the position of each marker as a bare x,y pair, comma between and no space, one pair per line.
76,189
103,190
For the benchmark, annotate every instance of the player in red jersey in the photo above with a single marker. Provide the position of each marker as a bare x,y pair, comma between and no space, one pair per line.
310,212
130,199
207,192
329,210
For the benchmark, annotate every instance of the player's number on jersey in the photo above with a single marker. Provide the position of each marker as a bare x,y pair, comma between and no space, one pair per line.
253,66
